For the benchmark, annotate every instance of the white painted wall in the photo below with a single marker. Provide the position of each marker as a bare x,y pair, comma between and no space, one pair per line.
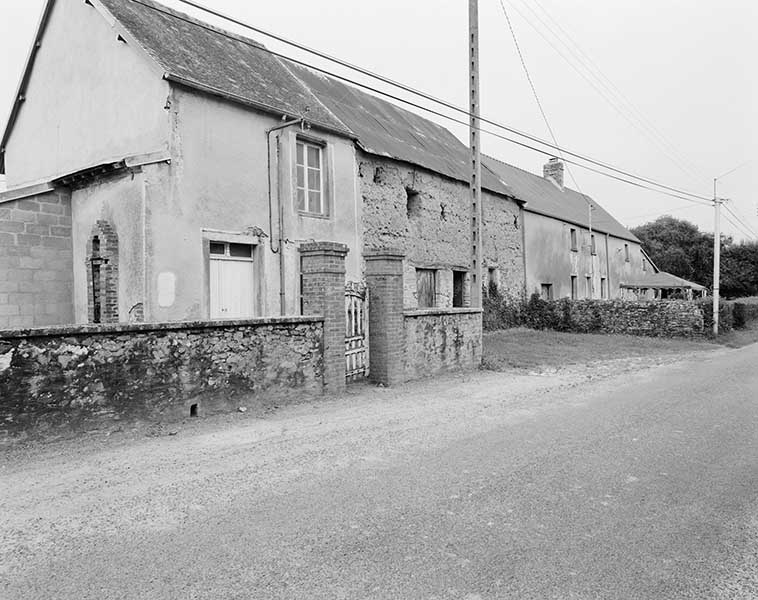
91,99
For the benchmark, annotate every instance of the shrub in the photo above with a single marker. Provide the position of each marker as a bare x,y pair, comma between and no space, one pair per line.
500,311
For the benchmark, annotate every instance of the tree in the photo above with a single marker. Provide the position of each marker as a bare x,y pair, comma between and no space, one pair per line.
679,247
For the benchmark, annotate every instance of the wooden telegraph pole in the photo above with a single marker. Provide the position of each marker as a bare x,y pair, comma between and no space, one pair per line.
476,161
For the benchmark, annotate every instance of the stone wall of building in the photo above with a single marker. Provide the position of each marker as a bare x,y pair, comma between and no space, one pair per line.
441,340
60,380
427,217
36,260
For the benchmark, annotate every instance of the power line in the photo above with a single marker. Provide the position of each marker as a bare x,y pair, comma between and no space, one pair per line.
410,90
689,196
534,89
620,103
745,227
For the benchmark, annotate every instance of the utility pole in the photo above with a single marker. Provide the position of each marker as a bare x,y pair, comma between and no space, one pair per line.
717,202
476,160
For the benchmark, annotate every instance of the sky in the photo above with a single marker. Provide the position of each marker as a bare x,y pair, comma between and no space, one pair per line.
665,89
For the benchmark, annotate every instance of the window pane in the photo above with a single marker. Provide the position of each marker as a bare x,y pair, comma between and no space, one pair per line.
300,176
314,157
300,154
314,180
300,199
314,201
218,248
241,250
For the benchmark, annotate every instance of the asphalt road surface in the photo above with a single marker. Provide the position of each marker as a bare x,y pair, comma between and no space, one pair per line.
638,485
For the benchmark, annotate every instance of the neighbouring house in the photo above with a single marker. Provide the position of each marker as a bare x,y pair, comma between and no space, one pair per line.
573,247
162,169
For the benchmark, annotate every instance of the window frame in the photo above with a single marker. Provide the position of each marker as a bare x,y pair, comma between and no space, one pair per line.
626,253
434,278
574,286
546,289
593,245
323,191
573,239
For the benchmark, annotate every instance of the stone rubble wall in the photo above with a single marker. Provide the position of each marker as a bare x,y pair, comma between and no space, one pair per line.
441,340
62,380
434,231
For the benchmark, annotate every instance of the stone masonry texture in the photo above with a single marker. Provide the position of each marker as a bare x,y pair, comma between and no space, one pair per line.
62,380
438,341
36,261
428,218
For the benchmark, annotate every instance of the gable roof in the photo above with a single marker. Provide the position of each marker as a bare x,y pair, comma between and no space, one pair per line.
198,55
543,197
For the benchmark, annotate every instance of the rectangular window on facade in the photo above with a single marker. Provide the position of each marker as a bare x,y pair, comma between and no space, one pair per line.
232,293
593,247
493,280
603,288
574,245
573,287
644,264
546,291
310,178
588,287
459,283
426,287
626,252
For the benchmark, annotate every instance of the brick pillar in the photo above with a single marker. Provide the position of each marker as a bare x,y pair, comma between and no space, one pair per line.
384,277
322,266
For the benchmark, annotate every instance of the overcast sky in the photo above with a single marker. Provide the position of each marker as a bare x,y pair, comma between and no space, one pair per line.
684,66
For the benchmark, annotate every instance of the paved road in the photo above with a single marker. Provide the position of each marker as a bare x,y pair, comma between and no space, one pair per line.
641,486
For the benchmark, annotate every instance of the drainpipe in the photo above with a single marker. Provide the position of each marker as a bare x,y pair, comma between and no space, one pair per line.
280,209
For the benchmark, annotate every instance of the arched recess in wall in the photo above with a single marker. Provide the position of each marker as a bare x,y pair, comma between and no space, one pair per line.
102,274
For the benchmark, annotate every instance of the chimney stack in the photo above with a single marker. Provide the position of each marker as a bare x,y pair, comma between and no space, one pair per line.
553,169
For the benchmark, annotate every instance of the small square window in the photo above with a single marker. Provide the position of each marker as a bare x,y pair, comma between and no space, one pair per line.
546,291
218,248
241,250
412,203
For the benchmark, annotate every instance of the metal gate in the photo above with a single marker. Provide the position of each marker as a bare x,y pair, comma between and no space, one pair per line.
356,333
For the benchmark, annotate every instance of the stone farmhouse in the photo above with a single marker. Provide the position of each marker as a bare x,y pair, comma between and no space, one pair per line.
573,247
169,170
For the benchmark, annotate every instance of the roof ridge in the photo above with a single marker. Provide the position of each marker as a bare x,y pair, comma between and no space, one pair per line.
565,187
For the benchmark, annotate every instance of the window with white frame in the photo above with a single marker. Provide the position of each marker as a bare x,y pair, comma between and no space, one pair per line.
232,291
310,178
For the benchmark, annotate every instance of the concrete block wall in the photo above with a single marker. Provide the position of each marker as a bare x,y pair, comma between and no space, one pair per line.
36,260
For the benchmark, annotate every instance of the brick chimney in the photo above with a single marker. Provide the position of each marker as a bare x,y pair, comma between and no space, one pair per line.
553,169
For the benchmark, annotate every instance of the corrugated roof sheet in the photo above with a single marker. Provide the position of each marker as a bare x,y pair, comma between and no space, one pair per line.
544,197
198,52
661,279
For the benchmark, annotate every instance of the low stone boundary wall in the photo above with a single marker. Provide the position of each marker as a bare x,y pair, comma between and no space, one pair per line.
667,318
439,340
65,379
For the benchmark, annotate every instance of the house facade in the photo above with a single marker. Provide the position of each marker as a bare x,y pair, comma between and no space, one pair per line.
166,170
573,248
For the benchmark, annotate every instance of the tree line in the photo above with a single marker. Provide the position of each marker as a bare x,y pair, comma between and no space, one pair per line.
680,248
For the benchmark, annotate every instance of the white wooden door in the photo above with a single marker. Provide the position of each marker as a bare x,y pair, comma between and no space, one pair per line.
231,287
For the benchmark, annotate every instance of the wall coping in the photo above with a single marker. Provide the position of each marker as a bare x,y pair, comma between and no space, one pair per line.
105,329
430,312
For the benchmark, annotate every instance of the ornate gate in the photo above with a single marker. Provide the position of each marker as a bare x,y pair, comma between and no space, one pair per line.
356,333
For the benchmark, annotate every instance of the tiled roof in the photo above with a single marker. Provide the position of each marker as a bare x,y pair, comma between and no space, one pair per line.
197,53
544,197
192,51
